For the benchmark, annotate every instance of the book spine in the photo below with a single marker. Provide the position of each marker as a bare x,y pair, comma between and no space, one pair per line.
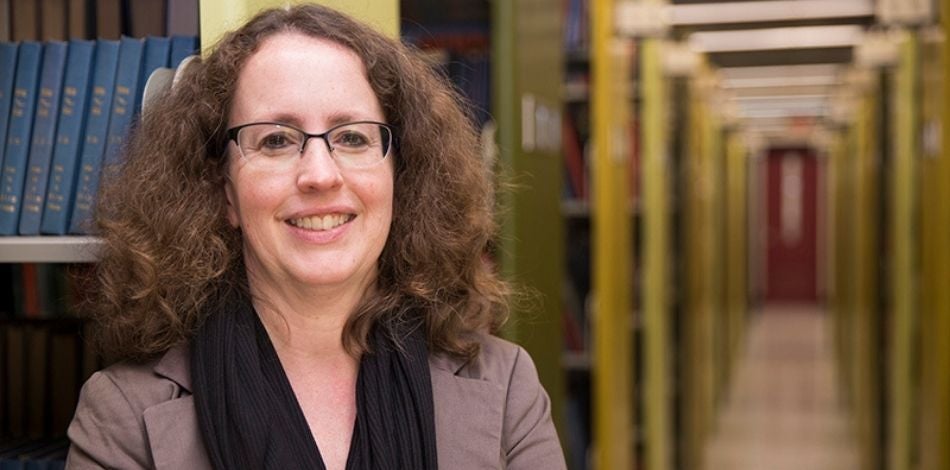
44,133
18,135
97,125
155,56
124,100
8,57
182,46
72,115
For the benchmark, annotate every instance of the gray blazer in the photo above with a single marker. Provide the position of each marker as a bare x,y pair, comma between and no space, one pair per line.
489,413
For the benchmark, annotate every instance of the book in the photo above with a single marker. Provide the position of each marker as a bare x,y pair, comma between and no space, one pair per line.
96,131
69,133
8,58
65,363
80,19
52,16
52,455
128,71
146,18
574,161
26,27
19,131
14,382
4,20
108,19
182,46
155,56
44,133
37,362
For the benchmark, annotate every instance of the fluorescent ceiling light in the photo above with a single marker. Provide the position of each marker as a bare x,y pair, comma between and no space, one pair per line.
804,77
782,90
783,113
802,37
753,100
776,10
804,70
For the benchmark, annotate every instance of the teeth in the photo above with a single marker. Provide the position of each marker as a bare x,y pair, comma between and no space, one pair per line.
321,222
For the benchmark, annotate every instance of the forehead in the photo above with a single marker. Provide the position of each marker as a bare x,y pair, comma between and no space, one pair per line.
291,72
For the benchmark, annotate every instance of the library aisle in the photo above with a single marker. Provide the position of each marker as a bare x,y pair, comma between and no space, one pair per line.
783,409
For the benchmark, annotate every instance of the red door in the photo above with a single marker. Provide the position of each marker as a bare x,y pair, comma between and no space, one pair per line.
792,244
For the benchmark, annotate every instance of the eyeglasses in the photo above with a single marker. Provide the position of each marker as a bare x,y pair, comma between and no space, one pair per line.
357,144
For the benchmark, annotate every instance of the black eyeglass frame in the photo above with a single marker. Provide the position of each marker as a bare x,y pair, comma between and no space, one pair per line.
388,147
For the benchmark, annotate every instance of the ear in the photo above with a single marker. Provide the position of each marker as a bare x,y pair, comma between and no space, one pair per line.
233,212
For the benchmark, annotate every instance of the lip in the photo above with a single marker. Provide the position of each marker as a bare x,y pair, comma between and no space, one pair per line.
320,236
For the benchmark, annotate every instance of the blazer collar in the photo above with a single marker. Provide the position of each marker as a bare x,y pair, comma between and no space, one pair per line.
469,412
175,365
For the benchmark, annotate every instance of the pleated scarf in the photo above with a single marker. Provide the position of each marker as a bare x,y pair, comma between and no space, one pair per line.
250,418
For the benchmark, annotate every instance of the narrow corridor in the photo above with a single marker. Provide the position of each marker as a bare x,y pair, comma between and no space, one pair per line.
783,411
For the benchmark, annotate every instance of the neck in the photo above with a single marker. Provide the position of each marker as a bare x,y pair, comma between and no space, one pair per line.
308,322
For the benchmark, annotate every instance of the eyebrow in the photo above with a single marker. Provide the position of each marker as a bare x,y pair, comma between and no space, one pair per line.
295,121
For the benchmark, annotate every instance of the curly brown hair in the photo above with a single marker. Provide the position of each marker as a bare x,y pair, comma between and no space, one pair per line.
169,250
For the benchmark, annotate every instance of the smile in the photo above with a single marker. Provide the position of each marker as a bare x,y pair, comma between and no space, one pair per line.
321,222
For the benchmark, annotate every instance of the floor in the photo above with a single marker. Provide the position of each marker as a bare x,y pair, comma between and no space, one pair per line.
783,410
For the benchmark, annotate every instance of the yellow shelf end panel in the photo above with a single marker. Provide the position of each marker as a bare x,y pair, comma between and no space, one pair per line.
902,227
613,432
656,262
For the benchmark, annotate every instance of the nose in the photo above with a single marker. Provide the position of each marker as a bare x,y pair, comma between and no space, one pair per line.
317,170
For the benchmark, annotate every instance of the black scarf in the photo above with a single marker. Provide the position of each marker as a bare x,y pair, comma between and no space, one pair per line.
249,416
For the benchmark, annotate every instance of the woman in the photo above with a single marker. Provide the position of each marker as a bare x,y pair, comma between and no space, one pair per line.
293,271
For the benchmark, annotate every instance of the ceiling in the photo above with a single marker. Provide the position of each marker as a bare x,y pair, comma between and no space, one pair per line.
779,62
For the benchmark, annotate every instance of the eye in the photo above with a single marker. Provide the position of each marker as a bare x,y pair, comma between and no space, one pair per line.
350,139
277,140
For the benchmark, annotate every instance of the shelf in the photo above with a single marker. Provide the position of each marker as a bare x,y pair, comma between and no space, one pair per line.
581,208
576,208
51,249
576,360
576,92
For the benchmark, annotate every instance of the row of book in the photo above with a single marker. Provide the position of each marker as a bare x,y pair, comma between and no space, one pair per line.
45,363
576,25
65,110
59,20
34,454
41,290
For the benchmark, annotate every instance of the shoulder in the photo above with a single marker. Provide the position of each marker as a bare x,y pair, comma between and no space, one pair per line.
495,403
140,385
495,362
109,427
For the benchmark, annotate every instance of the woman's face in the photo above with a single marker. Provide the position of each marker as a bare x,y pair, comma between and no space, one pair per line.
308,221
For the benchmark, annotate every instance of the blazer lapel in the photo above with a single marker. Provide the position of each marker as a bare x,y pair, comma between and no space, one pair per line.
172,426
468,416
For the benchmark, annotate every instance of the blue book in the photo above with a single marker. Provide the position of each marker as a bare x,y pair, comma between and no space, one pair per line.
18,134
44,133
72,117
94,142
156,54
124,99
182,46
8,53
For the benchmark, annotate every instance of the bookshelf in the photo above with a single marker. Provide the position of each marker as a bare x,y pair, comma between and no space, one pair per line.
43,358
521,43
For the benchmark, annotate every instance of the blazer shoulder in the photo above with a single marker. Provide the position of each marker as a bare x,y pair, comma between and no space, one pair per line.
109,426
148,383
495,361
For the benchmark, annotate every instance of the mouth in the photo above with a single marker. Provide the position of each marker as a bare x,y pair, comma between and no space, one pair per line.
320,223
